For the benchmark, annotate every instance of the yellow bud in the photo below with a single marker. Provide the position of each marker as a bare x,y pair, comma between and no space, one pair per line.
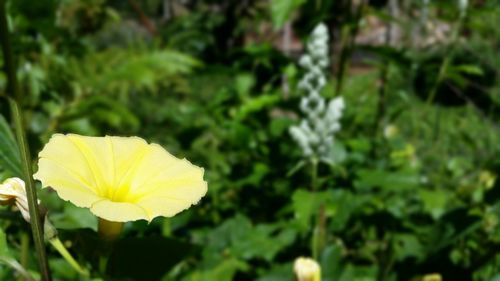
307,269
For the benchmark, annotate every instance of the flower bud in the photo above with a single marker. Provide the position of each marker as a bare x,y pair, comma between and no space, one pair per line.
307,269
13,191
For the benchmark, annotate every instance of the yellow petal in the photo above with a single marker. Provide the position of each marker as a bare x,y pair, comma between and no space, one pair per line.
118,211
119,178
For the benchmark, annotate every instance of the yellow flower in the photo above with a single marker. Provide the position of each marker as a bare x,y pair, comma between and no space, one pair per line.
119,178
307,269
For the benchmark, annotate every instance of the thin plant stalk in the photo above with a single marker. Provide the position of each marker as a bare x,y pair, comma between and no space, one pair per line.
35,220
14,101
443,69
314,173
318,235
25,249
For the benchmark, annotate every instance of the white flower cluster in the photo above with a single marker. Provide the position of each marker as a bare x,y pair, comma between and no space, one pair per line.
315,61
315,134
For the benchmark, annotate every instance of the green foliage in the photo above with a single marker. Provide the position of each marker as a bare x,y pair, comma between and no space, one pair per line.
415,187
120,71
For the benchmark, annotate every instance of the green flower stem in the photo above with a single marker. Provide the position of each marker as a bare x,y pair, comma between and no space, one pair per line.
109,230
58,245
50,233
314,173
14,100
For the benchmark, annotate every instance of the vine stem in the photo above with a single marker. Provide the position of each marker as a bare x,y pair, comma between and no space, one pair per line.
14,101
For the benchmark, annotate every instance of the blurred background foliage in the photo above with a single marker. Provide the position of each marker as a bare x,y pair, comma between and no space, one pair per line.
414,187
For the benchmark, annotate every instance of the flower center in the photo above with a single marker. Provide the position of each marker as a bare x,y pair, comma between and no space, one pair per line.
119,194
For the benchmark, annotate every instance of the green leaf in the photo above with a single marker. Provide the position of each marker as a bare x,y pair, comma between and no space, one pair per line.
247,241
279,126
224,271
10,159
306,204
331,262
74,217
281,10
435,202
244,83
469,69
339,205
387,180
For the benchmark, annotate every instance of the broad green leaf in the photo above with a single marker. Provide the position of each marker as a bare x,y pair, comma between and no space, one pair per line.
306,204
74,217
10,159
